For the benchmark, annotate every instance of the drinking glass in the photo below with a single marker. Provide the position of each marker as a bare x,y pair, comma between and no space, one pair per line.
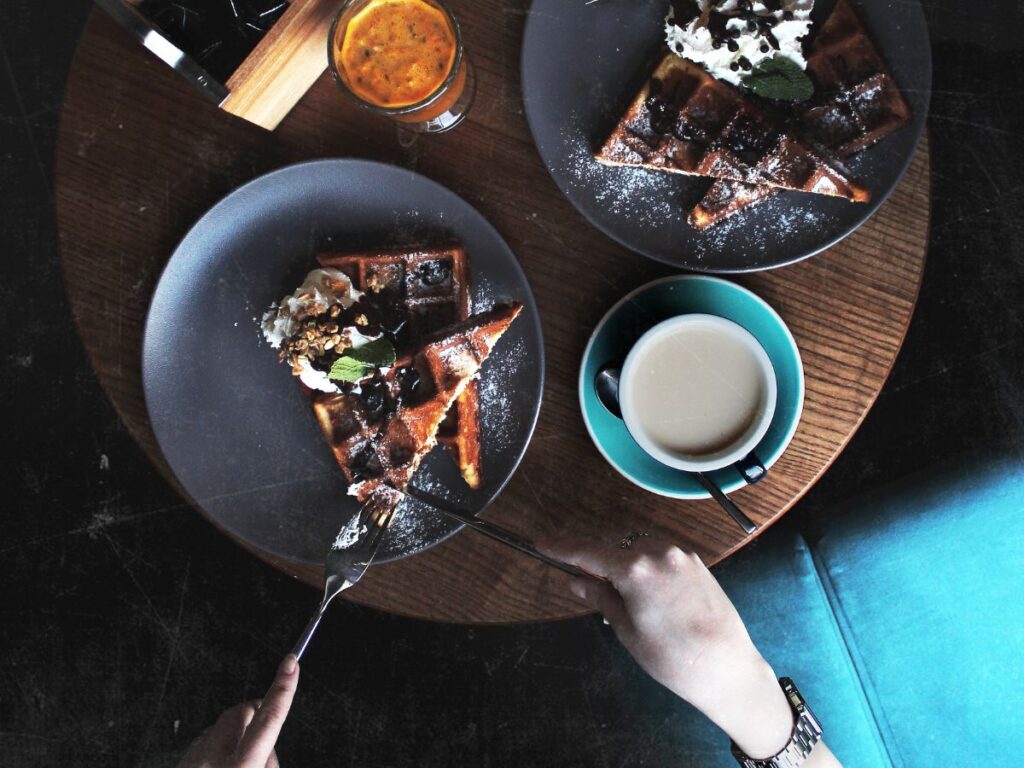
442,108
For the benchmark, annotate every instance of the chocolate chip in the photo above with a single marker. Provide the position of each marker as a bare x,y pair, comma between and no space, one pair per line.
733,46
744,62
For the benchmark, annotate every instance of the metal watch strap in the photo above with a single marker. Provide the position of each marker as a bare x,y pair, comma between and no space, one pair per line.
806,733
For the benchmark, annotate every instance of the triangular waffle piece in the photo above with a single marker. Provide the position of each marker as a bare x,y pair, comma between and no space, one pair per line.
430,286
858,104
724,198
685,121
380,433
861,103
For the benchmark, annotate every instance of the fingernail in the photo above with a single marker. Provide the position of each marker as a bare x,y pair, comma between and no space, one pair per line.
577,588
289,665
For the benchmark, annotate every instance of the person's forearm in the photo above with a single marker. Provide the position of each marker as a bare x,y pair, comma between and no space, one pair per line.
753,710
757,716
674,617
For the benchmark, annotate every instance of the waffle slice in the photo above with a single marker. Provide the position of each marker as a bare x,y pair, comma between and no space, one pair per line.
380,433
685,121
430,286
859,105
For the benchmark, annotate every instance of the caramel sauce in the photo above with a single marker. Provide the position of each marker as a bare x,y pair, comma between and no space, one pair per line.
395,53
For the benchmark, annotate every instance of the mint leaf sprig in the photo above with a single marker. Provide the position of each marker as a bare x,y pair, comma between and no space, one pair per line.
358,363
781,79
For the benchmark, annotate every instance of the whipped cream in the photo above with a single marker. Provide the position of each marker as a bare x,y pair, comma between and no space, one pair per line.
319,291
730,56
322,289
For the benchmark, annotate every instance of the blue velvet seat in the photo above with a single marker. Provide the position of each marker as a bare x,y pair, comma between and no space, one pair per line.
903,625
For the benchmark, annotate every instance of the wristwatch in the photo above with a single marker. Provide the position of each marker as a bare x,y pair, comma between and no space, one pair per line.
806,733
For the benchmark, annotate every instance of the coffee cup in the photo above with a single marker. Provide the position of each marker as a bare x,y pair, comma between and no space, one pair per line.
697,392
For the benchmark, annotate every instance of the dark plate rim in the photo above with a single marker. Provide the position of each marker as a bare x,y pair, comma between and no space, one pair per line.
869,208
529,305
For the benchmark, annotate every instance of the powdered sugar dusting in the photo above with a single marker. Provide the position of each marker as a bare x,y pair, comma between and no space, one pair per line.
636,193
416,525
350,534
760,226
484,295
495,389
496,380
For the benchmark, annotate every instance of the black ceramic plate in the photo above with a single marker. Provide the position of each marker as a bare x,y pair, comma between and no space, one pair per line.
582,63
231,420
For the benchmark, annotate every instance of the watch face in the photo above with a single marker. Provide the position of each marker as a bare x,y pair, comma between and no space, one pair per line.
796,701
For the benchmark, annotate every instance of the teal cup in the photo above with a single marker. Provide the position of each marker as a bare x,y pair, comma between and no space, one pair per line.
653,304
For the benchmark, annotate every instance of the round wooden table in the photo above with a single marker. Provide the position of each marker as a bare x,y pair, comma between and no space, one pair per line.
141,157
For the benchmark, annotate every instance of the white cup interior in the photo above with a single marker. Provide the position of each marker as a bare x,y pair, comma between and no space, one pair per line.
721,457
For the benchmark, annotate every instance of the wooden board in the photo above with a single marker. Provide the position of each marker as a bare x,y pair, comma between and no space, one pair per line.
141,157
287,61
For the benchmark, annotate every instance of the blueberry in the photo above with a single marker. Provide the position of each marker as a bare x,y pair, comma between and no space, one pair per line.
408,381
374,397
365,463
433,273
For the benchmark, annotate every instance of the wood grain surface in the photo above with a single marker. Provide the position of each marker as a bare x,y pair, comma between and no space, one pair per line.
141,158
285,63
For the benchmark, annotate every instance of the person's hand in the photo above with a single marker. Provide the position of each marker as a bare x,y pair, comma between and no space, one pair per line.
673,617
244,736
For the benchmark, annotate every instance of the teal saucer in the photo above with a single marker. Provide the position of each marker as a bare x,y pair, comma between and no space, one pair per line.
649,305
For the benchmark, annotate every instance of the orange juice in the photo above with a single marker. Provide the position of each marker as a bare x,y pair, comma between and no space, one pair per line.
397,53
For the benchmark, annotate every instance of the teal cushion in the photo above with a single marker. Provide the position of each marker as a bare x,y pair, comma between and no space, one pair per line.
777,592
927,583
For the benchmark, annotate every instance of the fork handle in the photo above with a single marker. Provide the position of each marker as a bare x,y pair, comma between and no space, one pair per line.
307,633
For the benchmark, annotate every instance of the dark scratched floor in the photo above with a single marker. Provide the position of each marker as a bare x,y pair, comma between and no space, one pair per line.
127,622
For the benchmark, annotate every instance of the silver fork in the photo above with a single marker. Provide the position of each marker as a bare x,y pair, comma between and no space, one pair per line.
350,555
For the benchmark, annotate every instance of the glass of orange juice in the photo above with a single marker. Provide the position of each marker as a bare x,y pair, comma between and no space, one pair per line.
403,59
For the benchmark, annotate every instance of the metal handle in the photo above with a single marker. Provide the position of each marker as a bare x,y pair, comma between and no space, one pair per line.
506,537
307,633
726,503
751,467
